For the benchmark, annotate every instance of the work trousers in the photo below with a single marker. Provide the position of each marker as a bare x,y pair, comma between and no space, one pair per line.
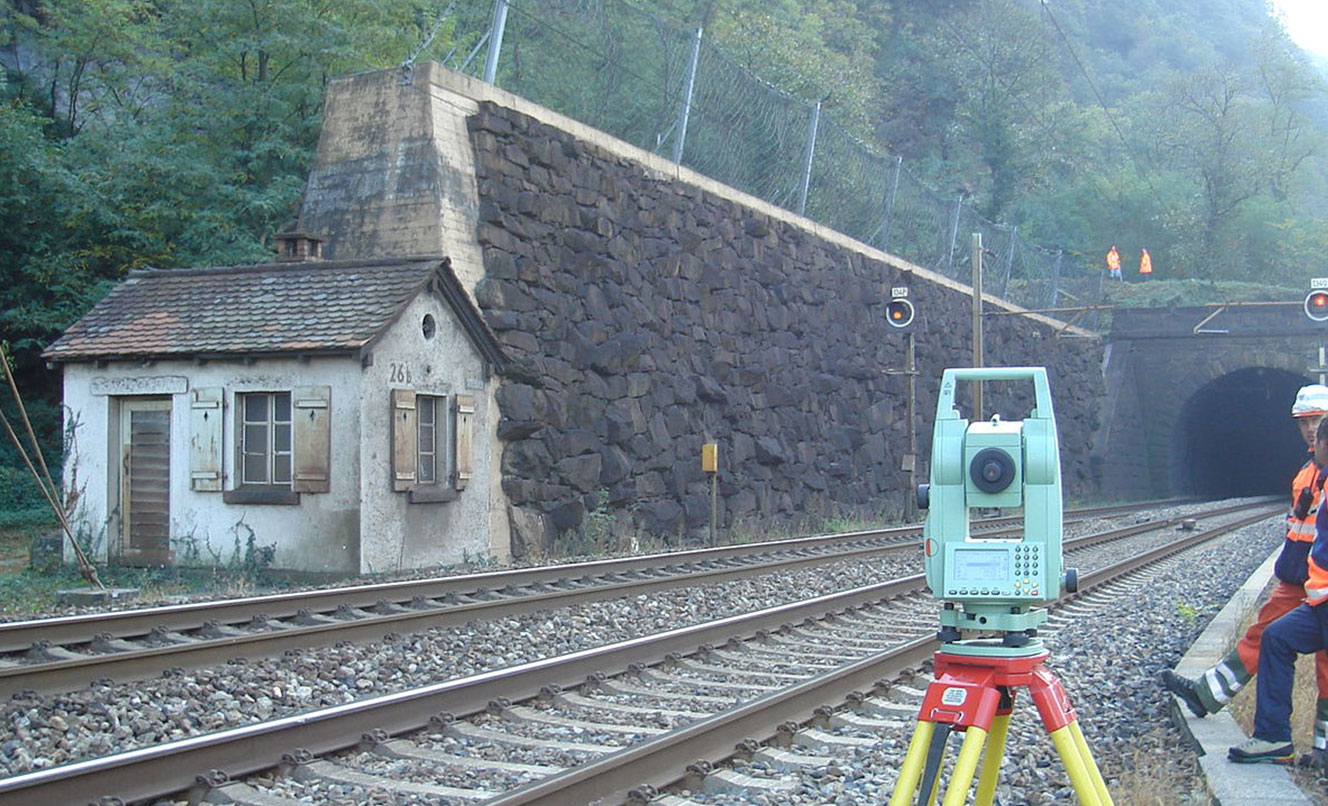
1219,684
1299,632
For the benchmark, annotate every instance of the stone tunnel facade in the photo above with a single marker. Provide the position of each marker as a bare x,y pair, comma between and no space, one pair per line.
1200,405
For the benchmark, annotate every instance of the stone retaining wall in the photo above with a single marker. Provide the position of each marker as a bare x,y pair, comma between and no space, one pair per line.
648,316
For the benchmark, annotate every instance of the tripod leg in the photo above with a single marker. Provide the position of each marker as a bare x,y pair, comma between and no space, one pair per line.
1080,778
1104,797
961,778
991,760
931,776
911,770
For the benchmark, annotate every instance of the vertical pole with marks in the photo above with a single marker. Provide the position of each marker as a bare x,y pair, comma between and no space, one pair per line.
954,234
495,41
807,154
977,322
710,465
890,204
690,86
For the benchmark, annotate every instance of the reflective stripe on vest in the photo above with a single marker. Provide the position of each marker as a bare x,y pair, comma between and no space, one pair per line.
1301,530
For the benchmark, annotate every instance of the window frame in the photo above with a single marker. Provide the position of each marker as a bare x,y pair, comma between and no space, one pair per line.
271,491
410,429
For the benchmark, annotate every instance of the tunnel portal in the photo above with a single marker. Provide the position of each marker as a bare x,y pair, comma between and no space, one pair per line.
1235,436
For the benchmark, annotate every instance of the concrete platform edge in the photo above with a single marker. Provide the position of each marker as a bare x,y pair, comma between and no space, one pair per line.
1232,784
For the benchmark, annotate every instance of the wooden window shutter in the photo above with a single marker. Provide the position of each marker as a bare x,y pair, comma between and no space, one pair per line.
205,439
463,417
311,412
405,428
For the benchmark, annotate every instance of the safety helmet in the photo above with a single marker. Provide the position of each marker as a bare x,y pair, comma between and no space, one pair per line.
1310,401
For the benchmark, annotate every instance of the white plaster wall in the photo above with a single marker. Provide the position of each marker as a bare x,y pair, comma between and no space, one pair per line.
396,533
319,534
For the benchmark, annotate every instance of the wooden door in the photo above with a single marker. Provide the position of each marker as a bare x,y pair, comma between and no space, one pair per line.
145,489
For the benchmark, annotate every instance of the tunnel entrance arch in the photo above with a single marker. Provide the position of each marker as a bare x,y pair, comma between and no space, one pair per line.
1235,436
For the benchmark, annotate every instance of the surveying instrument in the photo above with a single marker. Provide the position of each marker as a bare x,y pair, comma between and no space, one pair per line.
989,587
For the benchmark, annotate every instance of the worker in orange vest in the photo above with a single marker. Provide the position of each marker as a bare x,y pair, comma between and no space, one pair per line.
1145,263
1113,263
1214,688
1299,632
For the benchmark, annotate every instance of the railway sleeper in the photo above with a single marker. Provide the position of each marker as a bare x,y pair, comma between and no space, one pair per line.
105,644
885,709
723,685
521,713
777,758
758,655
242,794
819,740
822,640
622,687
732,782
705,668
405,749
852,721
791,646
771,652
573,700
337,774
465,730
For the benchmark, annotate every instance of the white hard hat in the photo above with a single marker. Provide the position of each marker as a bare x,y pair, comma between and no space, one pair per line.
1310,400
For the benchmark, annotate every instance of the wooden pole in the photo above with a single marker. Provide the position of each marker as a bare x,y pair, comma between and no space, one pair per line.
977,322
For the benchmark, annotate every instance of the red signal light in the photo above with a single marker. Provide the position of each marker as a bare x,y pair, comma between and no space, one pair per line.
1316,306
899,312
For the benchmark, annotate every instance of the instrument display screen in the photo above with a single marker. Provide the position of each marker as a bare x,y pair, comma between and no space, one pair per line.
980,567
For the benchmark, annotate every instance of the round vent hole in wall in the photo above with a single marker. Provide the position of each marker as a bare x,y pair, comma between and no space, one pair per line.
429,326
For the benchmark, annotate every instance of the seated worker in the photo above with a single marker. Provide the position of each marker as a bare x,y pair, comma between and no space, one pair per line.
1301,631
1215,687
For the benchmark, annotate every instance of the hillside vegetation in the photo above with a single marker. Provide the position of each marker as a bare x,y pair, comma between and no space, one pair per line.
179,132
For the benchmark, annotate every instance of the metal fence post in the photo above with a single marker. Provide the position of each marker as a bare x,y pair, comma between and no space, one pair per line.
1055,279
495,41
686,110
1009,260
954,234
807,154
890,204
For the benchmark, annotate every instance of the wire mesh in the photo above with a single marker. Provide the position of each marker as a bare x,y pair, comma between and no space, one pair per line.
622,69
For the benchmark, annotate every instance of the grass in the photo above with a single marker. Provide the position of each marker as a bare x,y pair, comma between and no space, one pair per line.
28,591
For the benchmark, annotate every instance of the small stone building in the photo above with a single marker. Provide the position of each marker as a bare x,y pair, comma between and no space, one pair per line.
333,413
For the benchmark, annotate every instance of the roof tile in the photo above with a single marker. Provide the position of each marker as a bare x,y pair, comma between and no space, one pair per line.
266,308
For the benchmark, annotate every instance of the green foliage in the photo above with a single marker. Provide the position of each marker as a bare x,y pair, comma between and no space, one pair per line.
163,132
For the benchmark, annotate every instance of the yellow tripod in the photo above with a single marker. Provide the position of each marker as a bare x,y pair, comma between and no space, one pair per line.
975,695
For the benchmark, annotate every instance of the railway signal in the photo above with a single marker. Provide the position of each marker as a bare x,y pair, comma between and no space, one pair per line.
1316,302
899,311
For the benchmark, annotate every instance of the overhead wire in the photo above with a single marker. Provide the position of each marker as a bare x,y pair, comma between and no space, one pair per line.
1125,143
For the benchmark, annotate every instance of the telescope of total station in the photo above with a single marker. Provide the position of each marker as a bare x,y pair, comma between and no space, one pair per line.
991,584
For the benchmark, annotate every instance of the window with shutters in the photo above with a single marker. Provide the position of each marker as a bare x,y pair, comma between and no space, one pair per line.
282,445
430,444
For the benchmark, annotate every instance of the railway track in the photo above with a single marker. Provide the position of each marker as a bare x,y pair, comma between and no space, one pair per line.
60,654
760,675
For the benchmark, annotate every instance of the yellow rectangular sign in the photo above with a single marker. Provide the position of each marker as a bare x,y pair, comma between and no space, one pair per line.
710,457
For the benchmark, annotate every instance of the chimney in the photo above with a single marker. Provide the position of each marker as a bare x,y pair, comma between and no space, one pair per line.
296,246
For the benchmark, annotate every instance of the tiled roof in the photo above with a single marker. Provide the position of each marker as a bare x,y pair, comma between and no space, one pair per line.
301,307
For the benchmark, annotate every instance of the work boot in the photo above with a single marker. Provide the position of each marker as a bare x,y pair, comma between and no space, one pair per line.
1183,687
1257,751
